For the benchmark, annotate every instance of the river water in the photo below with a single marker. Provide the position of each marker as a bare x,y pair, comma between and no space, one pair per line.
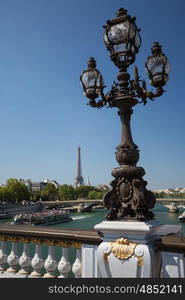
88,220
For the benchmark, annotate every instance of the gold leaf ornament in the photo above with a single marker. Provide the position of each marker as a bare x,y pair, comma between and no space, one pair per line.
123,249
140,261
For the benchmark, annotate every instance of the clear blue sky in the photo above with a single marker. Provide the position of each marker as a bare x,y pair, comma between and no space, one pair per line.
44,46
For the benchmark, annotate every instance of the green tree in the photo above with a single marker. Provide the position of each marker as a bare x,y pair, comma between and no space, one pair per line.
18,190
160,195
95,195
49,193
5,195
35,196
66,192
83,191
100,195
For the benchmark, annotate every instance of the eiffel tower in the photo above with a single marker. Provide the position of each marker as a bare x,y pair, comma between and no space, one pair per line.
79,178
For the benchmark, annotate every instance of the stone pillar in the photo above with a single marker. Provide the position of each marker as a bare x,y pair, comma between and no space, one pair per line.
127,249
89,261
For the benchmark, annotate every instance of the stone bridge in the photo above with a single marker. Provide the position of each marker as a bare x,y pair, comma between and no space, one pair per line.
172,204
87,204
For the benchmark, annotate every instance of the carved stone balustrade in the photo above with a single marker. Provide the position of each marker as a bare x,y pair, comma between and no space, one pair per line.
40,252
58,243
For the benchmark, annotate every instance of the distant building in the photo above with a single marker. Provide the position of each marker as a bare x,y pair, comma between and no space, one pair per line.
54,182
3,185
103,187
180,190
166,191
27,182
36,186
170,191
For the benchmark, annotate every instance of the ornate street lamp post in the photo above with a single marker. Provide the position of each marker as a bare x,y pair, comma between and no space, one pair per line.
129,197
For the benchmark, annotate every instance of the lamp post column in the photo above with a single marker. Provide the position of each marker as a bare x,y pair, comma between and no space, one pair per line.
127,152
129,198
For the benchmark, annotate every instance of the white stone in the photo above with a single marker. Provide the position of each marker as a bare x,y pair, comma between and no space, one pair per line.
13,259
37,263
89,261
173,265
64,265
77,266
50,263
143,263
113,267
25,261
3,256
137,231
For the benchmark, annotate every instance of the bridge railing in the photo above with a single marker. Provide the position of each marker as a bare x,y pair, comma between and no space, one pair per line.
17,242
40,252
172,251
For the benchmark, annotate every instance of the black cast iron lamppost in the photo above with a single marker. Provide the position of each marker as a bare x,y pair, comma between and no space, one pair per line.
128,198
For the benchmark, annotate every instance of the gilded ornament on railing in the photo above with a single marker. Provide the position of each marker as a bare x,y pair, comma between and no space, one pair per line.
65,244
41,241
140,261
3,238
15,239
123,249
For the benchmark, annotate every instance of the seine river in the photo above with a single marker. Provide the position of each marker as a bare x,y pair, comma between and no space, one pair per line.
88,220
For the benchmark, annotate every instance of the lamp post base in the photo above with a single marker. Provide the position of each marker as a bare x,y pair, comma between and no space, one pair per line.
129,198
128,249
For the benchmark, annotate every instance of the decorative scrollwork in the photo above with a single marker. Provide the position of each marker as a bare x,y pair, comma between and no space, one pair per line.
40,241
124,190
135,88
129,198
123,249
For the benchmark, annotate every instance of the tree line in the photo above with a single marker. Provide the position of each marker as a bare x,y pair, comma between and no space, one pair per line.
172,195
16,191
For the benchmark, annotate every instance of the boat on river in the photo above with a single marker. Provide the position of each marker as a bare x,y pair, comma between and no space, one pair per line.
47,217
182,217
173,208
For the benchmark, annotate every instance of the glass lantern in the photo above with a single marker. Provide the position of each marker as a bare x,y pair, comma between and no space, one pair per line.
157,66
122,39
92,81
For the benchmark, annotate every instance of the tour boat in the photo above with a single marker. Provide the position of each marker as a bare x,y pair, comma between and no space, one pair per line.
47,217
182,217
